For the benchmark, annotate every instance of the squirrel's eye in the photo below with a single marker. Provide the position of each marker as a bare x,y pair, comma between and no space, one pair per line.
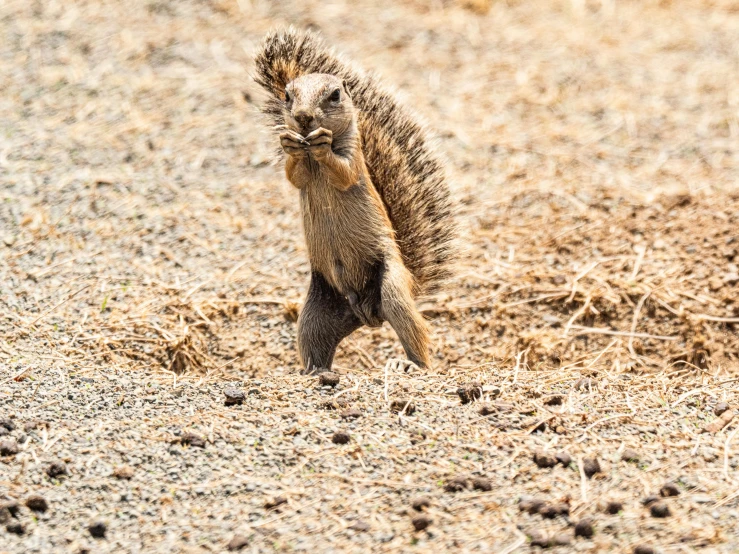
287,96
335,96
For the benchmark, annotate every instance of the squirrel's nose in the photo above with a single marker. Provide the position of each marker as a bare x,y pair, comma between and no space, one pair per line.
304,117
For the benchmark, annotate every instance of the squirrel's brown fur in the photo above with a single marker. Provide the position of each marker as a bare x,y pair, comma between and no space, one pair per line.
347,140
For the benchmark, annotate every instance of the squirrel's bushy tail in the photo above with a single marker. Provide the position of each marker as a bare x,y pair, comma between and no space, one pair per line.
402,164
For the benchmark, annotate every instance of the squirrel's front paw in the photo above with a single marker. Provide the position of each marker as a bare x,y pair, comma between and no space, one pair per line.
319,142
293,144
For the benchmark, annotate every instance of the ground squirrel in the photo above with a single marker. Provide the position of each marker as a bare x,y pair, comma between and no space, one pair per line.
376,209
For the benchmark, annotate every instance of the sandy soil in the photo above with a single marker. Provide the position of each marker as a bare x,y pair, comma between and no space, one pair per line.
151,258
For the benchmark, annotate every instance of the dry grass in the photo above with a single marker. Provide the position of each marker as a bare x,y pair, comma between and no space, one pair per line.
594,149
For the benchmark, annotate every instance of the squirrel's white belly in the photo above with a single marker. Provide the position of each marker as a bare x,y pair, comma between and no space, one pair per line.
343,235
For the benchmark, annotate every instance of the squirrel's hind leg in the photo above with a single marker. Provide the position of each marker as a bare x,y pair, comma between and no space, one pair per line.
399,309
325,320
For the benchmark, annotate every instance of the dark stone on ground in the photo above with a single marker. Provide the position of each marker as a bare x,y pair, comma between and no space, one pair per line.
659,509
630,455
470,392
457,484
37,503
544,460
360,526
9,447
669,489
564,458
720,408
584,528
192,439
56,468
275,502
238,542
531,505
123,472
421,522
340,437
12,506
97,529
329,379
234,396
400,405
613,507
482,484
591,466
351,414
15,527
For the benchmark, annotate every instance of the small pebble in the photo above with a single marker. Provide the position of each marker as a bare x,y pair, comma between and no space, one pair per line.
123,472
15,527
275,502
720,408
554,401
237,542
56,468
351,414
564,458
97,529
457,484
192,439
538,538
421,522
7,424
669,489
584,384
486,410
548,511
591,466
531,505
328,379
540,428
482,484
234,396
613,507
9,448
562,509
37,503
470,392
339,404
644,549
659,509
340,437
544,460
561,539
12,506
406,406
584,528
360,526
630,455
420,503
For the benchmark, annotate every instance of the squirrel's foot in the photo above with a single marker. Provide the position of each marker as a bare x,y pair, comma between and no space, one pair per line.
293,144
399,364
319,142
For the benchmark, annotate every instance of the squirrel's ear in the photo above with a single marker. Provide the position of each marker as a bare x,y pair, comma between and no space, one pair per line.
343,84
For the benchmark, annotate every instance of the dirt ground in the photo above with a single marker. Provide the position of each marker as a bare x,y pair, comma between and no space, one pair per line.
151,257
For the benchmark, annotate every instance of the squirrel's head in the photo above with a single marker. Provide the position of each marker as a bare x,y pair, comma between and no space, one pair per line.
318,100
